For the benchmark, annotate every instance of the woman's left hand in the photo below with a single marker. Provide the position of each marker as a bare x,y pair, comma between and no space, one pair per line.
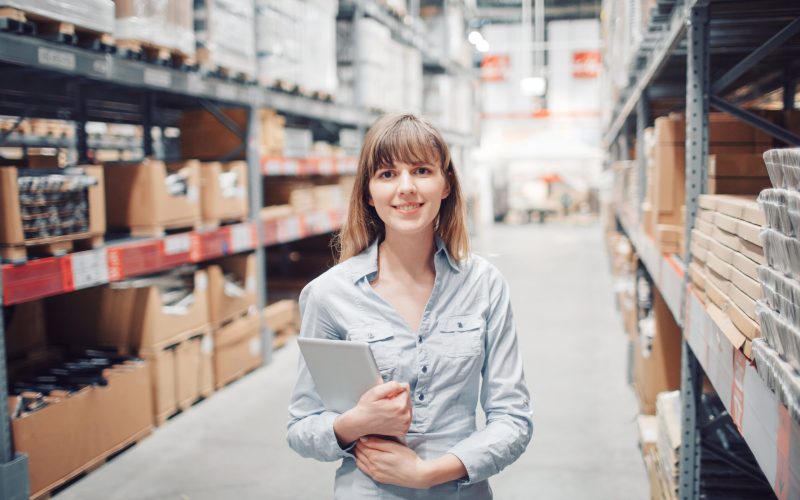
390,462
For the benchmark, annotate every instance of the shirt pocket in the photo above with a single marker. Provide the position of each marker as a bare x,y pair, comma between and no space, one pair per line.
383,346
462,336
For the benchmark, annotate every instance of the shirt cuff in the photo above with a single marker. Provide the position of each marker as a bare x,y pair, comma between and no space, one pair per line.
331,436
469,465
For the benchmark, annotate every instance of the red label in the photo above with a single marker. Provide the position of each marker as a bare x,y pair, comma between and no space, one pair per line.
494,67
585,64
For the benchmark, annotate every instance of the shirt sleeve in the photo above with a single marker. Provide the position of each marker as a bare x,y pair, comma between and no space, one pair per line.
310,427
504,397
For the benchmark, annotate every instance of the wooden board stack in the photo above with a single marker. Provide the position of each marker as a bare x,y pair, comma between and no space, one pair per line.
726,253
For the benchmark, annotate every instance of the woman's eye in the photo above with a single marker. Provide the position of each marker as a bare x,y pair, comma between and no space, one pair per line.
386,174
423,170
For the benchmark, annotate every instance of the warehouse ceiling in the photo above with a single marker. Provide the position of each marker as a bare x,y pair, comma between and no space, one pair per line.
510,11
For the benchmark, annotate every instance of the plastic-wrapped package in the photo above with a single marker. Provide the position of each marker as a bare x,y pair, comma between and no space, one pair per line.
279,37
783,167
318,59
779,376
775,205
781,293
779,333
163,23
782,252
225,31
95,15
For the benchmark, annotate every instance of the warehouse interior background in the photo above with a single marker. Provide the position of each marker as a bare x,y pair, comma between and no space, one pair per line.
172,173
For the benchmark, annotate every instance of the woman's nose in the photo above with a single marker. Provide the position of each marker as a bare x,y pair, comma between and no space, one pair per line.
407,183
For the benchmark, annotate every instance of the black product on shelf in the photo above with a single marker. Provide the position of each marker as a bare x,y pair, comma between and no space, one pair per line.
54,202
730,471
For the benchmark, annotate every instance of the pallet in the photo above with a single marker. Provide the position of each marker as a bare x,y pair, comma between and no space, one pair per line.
218,223
216,325
239,376
140,50
322,96
90,467
284,86
29,23
51,246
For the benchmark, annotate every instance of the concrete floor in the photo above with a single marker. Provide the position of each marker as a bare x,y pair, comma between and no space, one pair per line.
571,337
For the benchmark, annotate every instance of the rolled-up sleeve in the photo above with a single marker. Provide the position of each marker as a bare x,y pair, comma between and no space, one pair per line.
310,427
504,396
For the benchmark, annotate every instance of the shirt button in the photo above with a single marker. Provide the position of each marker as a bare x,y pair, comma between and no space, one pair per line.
419,339
460,325
422,397
424,369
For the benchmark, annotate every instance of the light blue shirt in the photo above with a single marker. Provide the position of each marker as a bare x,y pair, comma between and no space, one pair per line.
466,348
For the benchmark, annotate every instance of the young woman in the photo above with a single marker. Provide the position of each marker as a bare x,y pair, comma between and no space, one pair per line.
438,321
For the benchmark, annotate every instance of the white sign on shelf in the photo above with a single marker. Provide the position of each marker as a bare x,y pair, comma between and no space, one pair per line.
289,229
89,268
241,237
227,91
157,77
291,167
179,243
56,58
327,167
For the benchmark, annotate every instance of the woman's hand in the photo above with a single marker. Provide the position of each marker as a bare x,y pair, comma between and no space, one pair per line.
390,462
385,409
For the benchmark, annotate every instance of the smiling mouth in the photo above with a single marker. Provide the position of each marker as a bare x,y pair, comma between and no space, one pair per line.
407,207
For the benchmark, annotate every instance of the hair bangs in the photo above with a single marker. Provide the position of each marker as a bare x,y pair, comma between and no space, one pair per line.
408,142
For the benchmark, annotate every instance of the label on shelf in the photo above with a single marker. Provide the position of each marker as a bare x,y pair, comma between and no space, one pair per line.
60,59
157,77
89,268
273,166
179,243
241,237
227,91
327,166
289,229
102,68
290,166
195,83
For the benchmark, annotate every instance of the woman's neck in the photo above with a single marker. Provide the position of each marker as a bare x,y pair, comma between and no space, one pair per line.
411,256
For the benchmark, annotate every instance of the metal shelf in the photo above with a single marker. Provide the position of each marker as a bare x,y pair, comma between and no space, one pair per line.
115,261
757,412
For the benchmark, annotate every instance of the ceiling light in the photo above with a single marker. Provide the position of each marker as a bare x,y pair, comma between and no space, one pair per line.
482,46
475,37
533,86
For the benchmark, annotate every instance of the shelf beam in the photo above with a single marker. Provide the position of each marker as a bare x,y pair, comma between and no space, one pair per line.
756,121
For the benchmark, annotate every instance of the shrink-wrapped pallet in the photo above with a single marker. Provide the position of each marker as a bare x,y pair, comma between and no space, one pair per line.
94,15
162,23
225,31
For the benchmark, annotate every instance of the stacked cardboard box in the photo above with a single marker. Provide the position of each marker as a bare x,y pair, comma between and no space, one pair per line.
668,412
203,136
735,167
162,318
304,195
225,34
283,318
163,24
150,197
223,193
728,252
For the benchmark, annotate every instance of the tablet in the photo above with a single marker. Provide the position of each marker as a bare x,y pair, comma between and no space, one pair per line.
342,370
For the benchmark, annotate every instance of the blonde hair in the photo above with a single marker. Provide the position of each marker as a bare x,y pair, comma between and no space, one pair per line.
401,137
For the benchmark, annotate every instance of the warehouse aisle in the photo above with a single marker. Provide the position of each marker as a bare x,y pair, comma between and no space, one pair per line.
584,445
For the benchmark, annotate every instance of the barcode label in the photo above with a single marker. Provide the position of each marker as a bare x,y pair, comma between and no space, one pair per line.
89,268
225,91
180,243
241,237
157,77
56,58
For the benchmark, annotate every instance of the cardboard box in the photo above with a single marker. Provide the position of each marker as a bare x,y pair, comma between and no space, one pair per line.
223,192
725,131
127,318
730,240
706,215
746,266
707,202
282,314
237,349
206,365
748,327
11,231
137,198
746,284
705,227
226,302
750,232
727,327
752,251
743,207
743,302
162,365
738,185
203,136
669,178
702,240
697,275
187,372
647,425
736,165
76,431
661,370
720,267
699,253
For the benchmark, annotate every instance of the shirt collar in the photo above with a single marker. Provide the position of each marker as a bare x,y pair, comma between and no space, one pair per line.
366,263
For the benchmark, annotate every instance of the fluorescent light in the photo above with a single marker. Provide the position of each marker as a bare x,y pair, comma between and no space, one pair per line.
533,86
482,46
475,37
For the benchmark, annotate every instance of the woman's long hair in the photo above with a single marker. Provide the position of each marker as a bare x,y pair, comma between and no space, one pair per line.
401,137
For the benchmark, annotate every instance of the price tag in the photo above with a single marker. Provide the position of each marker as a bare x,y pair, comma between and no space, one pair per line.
241,237
101,66
180,243
56,58
273,167
157,77
89,268
290,167
289,229
327,167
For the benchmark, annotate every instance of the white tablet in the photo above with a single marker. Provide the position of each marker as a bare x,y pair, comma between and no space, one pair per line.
342,370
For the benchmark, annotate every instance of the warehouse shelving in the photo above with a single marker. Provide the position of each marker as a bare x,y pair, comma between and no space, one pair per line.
307,166
739,42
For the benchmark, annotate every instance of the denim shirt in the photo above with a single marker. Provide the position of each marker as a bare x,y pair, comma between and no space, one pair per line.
465,349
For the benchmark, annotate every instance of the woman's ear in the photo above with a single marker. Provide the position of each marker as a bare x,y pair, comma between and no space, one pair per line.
447,179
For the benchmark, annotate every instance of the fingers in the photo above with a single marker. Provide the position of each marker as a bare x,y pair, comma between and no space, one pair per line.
377,444
387,390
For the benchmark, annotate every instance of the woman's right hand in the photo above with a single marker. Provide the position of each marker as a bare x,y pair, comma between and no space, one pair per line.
383,410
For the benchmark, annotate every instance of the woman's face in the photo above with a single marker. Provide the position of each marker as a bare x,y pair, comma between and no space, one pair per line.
407,197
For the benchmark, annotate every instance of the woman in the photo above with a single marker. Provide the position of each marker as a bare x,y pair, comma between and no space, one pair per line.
438,321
